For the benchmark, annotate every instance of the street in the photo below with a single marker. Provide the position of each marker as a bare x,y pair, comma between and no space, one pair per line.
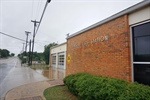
13,75
5,66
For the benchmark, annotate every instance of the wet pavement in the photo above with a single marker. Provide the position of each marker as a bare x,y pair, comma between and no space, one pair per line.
17,76
32,91
52,73
28,91
5,66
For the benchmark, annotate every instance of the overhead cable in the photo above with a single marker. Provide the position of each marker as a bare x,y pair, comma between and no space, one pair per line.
38,8
48,1
12,36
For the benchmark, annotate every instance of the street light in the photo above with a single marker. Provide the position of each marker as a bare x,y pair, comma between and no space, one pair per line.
48,1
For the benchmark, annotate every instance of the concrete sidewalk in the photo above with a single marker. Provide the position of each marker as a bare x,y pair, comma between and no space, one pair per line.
32,91
23,83
19,76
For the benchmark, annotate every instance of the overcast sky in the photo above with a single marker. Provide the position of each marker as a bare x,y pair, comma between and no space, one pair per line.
61,17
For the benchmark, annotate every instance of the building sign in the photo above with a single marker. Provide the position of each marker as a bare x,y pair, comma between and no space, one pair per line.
94,40
68,58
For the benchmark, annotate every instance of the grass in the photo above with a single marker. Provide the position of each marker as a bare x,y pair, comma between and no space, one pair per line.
39,66
59,93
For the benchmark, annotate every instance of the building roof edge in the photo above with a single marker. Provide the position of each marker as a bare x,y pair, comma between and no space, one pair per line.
123,12
58,45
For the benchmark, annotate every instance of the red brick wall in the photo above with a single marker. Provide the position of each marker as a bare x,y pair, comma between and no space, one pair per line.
90,52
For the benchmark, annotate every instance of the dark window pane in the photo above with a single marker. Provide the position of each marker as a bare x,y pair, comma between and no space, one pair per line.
142,73
141,43
142,49
142,30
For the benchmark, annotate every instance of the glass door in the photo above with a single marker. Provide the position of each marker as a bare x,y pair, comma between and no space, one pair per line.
141,53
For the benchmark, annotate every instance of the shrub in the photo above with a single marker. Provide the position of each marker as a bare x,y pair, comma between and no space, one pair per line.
111,89
97,88
70,81
91,87
135,91
83,81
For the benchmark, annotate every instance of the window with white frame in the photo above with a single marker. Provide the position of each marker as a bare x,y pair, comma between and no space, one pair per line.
61,59
53,59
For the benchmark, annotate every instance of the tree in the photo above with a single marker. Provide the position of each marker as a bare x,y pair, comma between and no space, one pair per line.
36,57
0,53
4,53
47,51
12,54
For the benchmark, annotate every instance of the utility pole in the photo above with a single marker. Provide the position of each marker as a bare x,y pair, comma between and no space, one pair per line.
35,22
27,33
22,54
29,62
23,47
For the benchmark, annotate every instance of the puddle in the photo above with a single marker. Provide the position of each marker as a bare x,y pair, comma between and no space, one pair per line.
51,73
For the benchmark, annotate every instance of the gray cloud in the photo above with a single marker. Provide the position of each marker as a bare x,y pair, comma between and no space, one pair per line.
61,17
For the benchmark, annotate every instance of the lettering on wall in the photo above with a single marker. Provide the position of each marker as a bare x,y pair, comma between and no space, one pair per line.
92,41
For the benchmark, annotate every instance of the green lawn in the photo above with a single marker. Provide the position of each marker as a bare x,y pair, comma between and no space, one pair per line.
59,93
37,66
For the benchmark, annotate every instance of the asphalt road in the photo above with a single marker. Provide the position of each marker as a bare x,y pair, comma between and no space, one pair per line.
6,64
12,75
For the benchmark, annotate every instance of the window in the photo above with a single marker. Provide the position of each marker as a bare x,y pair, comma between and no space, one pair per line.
142,73
141,43
141,53
61,59
53,59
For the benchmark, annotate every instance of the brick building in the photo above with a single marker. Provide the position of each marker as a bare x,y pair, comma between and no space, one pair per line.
118,46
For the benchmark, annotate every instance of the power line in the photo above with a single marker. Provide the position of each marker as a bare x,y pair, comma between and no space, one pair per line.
39,45
28,28
12,36
32,8
42,41
48,1
38,8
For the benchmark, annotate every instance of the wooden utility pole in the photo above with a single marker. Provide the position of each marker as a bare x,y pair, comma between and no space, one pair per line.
35,22
23,47
29,62
27,33
22,54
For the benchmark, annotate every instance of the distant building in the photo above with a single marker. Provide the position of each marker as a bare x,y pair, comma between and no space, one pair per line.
58,56
118,46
